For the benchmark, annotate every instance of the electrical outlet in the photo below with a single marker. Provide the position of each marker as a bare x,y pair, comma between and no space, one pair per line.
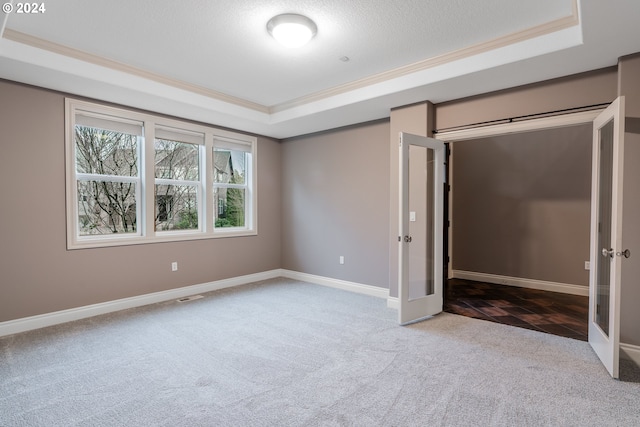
341,259
174,266
587,265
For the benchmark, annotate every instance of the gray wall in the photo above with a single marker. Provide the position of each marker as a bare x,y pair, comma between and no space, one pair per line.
586,89
596,87
320,197
39,275
629,86
311,165
521,204
580,90
335,193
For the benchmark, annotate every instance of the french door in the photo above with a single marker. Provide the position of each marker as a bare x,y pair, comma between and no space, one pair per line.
420,236
607,253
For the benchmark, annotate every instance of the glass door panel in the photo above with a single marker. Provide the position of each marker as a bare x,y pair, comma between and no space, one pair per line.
606,235
603,286
421,221
420,229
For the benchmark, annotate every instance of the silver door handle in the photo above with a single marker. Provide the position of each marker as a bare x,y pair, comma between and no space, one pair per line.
626,253
608,252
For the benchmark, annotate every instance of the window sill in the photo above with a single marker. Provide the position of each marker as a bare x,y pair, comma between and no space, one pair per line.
169,237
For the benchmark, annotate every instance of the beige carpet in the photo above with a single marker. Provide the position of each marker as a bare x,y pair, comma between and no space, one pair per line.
285,353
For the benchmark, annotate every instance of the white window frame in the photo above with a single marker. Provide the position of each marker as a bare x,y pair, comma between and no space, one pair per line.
187,137
145,182
249,183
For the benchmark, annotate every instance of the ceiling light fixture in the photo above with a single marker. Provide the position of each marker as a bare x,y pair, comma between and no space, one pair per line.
292,30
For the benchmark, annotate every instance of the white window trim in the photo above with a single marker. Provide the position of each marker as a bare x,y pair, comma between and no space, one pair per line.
249,187
145,232
188,136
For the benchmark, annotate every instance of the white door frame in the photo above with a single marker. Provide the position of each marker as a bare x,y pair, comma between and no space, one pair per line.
542,123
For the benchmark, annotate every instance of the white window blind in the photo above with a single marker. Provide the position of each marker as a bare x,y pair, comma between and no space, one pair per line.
172,134
232,144
130,127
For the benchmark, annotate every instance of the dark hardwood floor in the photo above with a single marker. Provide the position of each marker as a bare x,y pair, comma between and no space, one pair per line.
551,312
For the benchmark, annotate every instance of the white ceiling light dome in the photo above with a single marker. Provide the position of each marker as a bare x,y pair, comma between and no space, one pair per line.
292,30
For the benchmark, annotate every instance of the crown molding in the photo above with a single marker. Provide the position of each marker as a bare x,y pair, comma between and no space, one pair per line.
470,51
513,38
59,49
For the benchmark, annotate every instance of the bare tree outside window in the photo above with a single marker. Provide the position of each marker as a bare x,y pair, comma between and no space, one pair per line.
137,177
177,171
107,172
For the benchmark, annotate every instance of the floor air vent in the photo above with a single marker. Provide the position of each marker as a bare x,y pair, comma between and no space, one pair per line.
191,298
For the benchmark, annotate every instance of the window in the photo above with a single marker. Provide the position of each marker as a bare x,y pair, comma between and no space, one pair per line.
137,178
231,177
107,172
177,180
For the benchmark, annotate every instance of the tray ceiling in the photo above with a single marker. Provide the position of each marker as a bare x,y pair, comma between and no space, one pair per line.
214,60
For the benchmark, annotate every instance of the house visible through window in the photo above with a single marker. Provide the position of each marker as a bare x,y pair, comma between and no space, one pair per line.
230,183
137,178
164,205
177,180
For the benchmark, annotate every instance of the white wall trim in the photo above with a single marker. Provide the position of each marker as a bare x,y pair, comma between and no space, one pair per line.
69,52
550,27
564,288
49,319
630,352
359,288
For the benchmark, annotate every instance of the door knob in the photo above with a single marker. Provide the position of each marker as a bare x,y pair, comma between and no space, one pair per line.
608,252
408,239
626,253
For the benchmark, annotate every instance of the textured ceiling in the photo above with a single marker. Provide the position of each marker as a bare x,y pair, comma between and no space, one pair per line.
224,45
214,60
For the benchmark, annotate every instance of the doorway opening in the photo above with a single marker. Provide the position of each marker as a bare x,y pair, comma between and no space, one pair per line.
520,215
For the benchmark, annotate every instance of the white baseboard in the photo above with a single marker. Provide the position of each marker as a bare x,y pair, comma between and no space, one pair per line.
49,319
564,288
630,352
360,288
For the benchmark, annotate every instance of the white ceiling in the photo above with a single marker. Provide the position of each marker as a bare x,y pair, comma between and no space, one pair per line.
213,60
